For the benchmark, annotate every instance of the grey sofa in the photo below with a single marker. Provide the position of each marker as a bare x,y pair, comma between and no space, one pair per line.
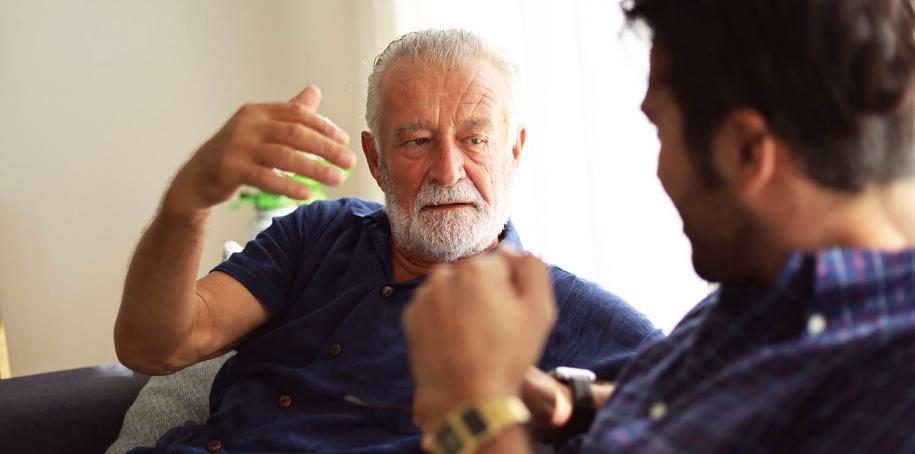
72,411
82,410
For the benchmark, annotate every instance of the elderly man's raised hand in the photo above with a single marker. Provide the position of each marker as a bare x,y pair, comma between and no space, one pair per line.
257,139
474,330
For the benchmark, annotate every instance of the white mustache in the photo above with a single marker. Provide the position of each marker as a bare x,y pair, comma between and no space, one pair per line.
464,192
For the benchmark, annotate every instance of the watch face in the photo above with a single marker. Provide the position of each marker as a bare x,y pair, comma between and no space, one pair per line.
448,440
474,422
568,373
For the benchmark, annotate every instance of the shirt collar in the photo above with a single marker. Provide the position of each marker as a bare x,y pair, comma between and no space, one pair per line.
846,286
852,285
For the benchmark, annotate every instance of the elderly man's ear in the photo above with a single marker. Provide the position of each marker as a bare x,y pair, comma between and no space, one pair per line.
518,145
371,155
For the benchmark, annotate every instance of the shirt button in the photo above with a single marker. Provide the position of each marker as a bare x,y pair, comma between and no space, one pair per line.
387,291
335,350
214,445
285,401
658,411
816,324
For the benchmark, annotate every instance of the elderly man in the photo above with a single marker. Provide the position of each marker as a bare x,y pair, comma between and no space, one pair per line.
786,131
313,305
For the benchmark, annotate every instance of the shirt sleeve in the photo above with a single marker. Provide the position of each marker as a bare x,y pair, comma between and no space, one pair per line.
268,263
595,329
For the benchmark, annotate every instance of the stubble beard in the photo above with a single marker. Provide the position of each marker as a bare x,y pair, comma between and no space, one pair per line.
728,253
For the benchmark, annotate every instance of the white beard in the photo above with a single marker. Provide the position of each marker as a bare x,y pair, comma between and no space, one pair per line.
447,235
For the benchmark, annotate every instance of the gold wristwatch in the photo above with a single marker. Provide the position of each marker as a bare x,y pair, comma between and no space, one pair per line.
470,425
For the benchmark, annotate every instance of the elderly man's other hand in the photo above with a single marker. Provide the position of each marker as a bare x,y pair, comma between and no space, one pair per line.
256,140
475,329
550,403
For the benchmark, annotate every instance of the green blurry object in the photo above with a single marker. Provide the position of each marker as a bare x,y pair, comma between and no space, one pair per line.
268,201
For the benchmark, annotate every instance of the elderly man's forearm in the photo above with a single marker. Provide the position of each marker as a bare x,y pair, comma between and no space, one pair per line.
159,301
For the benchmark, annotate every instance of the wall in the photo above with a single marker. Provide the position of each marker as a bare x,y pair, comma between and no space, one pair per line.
101,102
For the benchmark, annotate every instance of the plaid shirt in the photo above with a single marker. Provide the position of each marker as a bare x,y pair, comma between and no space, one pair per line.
823,361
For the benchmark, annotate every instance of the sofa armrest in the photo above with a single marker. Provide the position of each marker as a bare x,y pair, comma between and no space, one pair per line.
73,411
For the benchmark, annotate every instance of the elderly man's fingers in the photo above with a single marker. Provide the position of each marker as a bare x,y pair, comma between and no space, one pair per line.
267,180
309,97
297,113
537,394
301,137
285,158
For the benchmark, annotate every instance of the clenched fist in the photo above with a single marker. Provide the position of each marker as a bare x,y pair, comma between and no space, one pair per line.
256,140
474,329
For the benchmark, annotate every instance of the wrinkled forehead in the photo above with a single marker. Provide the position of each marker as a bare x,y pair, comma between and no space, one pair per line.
420,90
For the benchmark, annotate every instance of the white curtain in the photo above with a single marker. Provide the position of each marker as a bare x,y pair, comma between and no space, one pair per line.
586,196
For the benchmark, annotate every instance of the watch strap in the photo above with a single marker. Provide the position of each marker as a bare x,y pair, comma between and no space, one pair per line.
583,408
468,426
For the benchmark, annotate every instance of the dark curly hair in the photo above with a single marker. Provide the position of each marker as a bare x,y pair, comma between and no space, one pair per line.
832,78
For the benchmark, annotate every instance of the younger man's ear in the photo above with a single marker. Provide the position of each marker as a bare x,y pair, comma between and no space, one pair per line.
745,153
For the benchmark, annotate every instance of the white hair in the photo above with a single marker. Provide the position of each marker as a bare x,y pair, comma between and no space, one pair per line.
447,49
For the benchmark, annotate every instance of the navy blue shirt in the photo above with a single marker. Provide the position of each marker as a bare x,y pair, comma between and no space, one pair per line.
329,371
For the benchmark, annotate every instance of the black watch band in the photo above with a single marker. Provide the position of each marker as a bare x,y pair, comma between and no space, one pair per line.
582,408
579,382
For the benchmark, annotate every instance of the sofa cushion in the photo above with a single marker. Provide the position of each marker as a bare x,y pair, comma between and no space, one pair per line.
166,402
74,411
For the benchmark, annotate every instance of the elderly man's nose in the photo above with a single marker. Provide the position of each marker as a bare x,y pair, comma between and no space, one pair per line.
447,165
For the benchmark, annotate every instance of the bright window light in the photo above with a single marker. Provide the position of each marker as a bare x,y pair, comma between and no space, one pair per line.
586,197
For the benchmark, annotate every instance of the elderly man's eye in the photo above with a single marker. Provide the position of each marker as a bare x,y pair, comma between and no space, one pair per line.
418,141
477,140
